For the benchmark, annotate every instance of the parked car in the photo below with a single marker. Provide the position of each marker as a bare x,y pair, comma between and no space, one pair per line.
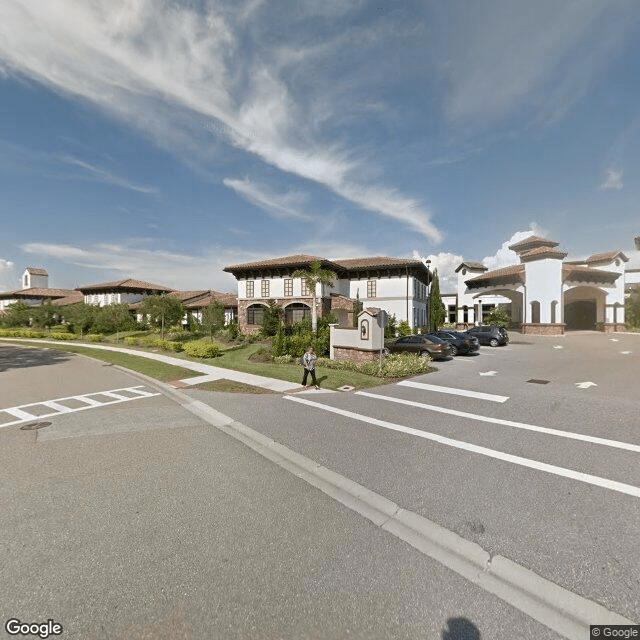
461,343
490,334
421,345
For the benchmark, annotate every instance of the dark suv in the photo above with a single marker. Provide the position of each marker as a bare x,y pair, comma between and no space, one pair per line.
490,334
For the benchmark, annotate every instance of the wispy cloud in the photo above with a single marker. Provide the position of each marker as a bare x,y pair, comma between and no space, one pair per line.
134,259
166,70
613,179
99,174
504,51
281,206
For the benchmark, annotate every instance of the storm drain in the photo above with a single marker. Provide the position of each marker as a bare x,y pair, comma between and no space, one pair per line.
534,381
35,425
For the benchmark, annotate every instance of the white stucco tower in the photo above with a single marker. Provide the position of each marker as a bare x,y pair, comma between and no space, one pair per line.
34,278
542,262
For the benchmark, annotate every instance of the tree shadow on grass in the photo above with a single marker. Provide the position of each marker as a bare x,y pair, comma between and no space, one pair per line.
12,357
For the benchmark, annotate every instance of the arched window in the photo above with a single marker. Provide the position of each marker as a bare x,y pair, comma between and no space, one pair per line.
535,311
554,307
296,312
255,314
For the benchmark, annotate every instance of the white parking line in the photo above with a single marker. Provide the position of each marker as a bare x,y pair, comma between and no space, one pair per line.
491,453
453,391
509,423
90,403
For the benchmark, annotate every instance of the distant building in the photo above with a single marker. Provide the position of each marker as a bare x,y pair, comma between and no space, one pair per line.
546,294
35,290
35,278
127,291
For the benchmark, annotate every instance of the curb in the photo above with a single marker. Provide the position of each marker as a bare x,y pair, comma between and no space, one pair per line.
555,607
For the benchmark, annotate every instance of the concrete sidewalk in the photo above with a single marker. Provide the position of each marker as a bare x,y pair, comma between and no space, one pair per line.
209,373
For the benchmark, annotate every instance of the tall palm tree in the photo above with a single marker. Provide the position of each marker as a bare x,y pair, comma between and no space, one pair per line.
312,276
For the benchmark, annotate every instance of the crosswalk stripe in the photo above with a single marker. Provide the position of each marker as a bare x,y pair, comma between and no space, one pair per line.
613,485
89,403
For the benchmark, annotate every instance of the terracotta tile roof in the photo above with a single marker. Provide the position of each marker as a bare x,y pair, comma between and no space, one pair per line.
512,273
587,274
185,296
72,298
378,261
540,253
227,299
297,260
610,256
470,264
36,292
532,241
127,284
35,271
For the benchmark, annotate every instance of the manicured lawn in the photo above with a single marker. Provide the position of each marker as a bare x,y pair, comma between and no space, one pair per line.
152,368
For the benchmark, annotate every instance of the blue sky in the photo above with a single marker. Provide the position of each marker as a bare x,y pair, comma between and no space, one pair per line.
165,140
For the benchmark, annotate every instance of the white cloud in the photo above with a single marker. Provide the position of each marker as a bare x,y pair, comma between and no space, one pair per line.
446,263
613,179
281,206
8,275
166,69
504,257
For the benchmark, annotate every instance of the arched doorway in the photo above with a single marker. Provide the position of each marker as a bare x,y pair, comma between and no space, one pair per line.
583,308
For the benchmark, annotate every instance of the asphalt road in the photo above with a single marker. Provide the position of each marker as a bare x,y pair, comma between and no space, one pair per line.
138,520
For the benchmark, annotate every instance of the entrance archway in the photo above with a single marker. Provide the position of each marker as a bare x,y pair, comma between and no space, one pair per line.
583,308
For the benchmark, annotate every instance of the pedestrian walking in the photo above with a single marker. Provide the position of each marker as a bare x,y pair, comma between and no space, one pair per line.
309,364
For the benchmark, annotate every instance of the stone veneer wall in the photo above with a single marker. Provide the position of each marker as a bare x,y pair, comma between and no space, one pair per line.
356,355
539,329
611,327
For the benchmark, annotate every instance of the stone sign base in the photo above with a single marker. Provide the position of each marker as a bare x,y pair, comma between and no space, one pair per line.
356,354
540,329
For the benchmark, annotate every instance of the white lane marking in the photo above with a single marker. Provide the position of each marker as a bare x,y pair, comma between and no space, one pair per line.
614,339
60,408
487,373
491,453
110,394
509,423
18,413
453,391
558,346
585,385
90,404
626,353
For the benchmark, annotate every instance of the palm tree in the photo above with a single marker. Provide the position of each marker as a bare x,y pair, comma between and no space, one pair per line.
314,275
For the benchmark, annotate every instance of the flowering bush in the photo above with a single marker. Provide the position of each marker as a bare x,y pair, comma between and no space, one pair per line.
286,359
202,349
393,366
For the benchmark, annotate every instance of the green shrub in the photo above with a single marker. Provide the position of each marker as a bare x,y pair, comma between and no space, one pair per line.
176,346
132,341
202,349
21,333
404,329
233,330
57,335
393,366
95,337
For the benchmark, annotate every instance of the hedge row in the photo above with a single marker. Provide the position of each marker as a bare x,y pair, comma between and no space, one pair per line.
202,349
393,366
